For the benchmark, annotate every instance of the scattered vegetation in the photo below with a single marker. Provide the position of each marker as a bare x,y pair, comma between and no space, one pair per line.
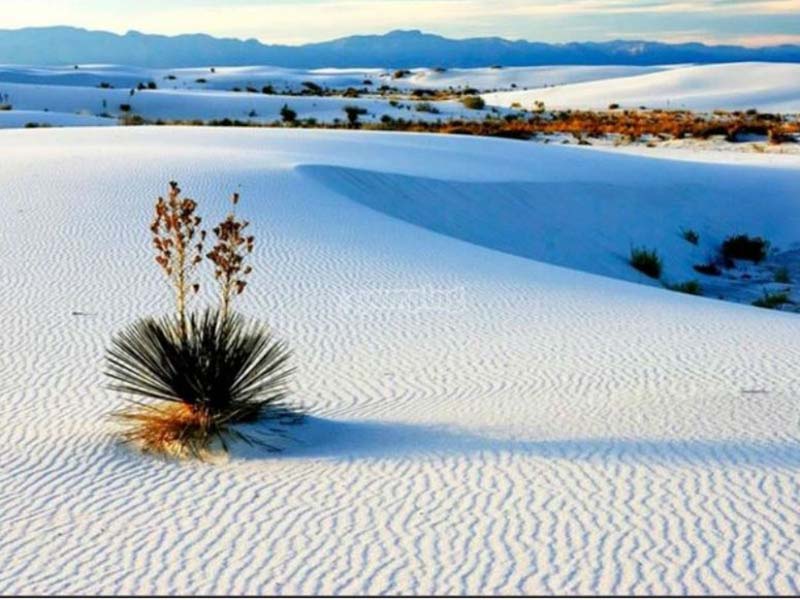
199,375
691,236
125,108
692,287
646,261
427,107
743,247
6,107
772,300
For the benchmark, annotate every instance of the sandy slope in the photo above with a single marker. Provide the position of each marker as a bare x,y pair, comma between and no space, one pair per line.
765,86
541,430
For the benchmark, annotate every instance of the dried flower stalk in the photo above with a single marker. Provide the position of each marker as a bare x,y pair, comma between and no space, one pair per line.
175,228
228,256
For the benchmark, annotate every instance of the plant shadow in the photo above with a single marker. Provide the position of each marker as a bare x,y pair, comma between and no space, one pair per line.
315,437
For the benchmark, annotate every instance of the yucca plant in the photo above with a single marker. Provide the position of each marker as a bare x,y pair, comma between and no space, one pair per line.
222,372
192,377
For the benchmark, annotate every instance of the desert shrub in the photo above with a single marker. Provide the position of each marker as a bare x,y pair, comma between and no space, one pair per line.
268,89
646,261
312,88
6,107
613,106
782,275
170,77
251,90
691,236
105,85
353,113
401,73
197,384
709,268
772,300
692,287
288,115
36,125
426,107
473,102
252,114
125,107
743,247
151,85
196,376
201,80
351,93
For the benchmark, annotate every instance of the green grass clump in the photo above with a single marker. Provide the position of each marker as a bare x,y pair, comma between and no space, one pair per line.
646,261
773,300
692,287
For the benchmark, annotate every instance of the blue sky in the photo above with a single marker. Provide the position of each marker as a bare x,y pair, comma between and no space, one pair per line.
748,22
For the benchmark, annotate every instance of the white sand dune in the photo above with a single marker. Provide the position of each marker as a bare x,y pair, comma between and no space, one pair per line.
541,430
764,86
281,79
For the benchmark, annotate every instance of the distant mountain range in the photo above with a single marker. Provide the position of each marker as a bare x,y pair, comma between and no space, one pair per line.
398,49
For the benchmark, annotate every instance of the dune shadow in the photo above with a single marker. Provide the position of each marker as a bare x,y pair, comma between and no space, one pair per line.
353,440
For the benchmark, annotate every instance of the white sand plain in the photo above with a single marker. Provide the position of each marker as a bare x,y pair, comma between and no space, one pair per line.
540,430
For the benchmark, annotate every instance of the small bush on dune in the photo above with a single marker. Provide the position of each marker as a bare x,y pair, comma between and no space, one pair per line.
353,113
691,287
772,300
743,247
427,107
691,236
288,115
646,261
473,102
197,376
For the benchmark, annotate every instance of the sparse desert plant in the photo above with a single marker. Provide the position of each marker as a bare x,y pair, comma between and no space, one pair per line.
692,287
178,241
288,115
473,102
125,108
197,384
691,236
646,261
6,107
772,300
744,247
782,275
353,113
195,377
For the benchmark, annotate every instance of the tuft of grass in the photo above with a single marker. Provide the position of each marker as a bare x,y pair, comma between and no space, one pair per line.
744,247
691,287
772,300
197,383
288,115
646,261
691,236
782,275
